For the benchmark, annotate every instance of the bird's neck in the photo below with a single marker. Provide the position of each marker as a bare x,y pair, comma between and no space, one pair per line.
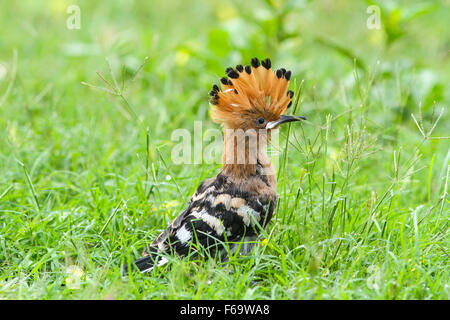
245,155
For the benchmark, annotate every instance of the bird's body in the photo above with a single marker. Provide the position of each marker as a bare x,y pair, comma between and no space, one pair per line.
227,212
222,211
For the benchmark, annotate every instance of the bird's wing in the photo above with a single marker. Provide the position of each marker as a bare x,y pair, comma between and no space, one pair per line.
219,212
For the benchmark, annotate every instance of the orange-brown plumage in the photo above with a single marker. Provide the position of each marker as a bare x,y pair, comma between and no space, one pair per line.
248,90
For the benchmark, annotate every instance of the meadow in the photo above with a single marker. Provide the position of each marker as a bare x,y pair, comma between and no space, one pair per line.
89,98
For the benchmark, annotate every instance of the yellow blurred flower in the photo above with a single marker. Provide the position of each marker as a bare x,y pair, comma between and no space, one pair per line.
225,11
75,270
182,57
58,6
171,204
74,275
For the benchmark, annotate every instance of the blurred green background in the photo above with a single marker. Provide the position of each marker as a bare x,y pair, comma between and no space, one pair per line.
70,153
189,44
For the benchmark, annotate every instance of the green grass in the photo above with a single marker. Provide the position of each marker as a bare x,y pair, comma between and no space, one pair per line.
86,177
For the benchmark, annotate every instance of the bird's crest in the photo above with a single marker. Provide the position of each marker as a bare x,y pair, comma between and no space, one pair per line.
255,88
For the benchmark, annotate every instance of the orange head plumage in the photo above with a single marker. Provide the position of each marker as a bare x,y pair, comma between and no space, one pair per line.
253,97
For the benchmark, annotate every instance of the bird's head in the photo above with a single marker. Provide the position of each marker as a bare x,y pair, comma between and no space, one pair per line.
253,97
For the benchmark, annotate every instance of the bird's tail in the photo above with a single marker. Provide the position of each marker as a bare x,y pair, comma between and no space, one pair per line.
147,263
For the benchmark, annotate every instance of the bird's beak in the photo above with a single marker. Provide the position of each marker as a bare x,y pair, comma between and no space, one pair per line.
283,119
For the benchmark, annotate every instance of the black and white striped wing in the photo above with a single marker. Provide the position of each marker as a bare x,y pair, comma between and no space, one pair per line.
218,212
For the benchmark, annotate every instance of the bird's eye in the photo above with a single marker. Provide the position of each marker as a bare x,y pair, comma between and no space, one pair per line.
261,120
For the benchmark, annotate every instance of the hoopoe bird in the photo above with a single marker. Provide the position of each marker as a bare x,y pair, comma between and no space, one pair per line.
227,212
